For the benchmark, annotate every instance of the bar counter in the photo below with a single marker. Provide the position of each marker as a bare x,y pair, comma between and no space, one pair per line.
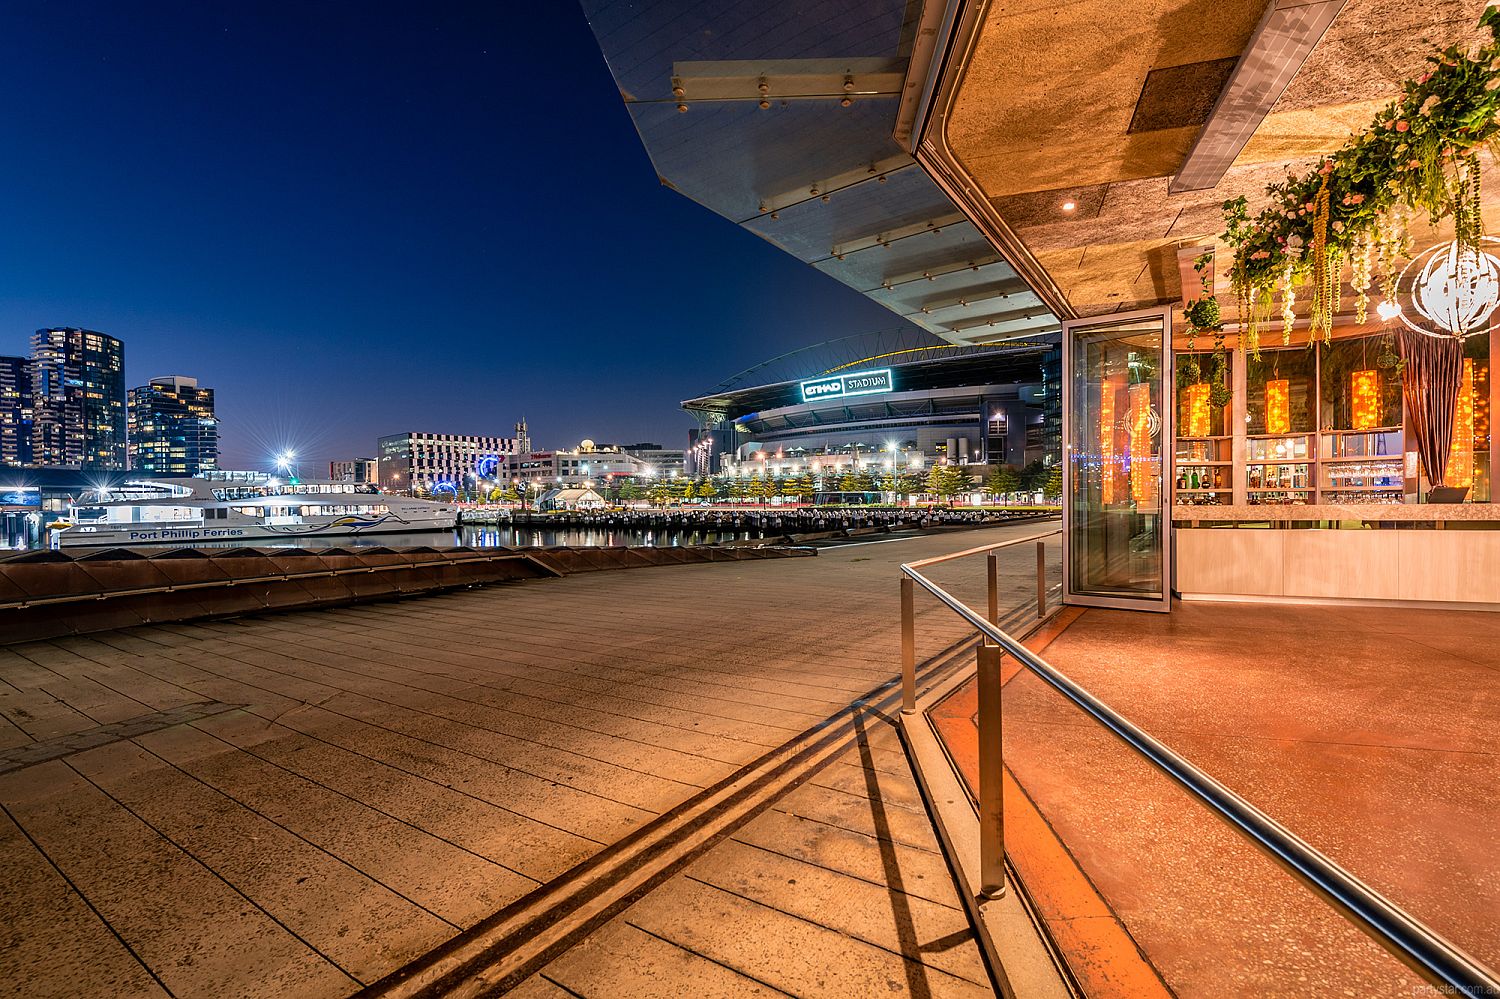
1430,555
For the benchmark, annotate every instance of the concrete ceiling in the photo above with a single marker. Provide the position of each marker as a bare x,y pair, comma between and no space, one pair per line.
1098,102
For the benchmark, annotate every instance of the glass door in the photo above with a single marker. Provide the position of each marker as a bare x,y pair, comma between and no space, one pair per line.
1117,418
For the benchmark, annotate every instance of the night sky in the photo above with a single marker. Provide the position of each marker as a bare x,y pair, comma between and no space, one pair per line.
354,219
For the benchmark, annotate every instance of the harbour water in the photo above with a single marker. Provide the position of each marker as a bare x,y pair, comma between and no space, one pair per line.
625,528
484,536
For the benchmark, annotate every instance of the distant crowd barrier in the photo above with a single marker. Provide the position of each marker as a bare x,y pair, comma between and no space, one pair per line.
50,594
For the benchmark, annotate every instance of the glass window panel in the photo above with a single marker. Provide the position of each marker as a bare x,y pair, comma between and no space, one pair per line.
1279,389
1197,416
1117,383
1361,388
1477,351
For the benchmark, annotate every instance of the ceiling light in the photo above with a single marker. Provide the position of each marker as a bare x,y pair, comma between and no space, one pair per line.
1068,206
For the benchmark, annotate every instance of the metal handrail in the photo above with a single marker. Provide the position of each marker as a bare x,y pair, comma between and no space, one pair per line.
908,598
1430,955
924,562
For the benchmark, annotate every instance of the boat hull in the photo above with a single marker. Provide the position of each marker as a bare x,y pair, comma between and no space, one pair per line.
110,537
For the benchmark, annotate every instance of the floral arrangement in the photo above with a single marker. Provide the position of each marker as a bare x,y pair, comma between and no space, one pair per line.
1420,153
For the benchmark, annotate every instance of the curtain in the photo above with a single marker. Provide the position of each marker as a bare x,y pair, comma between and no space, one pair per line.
1430,383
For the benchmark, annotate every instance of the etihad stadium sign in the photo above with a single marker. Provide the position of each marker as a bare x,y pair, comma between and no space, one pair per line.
839,386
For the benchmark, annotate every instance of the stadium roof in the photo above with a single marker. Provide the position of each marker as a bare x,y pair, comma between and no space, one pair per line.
918,360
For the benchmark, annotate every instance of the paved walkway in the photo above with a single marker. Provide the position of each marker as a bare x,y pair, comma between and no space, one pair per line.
1368,732
302,804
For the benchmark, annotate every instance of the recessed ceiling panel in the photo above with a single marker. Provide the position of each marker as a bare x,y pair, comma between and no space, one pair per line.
873,210
956,246
731,156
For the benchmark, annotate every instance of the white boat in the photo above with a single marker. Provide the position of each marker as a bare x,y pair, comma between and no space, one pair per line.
235,506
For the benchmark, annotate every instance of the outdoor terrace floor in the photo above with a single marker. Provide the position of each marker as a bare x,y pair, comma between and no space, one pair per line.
1368,732
304,803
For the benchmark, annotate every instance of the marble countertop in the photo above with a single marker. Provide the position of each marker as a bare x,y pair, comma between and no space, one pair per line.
1341,511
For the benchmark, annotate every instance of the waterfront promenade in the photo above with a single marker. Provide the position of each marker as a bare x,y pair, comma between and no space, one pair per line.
307,803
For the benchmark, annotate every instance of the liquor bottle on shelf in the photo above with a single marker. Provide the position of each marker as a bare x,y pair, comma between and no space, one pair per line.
1218,479
1193,479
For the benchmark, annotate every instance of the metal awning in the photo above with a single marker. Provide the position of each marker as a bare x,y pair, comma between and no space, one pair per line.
779,116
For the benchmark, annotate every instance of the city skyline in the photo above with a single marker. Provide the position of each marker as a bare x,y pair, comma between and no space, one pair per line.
163,429
349,246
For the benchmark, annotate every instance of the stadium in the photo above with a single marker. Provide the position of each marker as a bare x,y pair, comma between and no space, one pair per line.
891,399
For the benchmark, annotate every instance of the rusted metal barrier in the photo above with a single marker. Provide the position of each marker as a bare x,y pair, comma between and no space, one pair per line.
51,594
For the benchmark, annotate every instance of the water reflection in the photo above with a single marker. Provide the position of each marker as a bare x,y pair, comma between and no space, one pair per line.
490,536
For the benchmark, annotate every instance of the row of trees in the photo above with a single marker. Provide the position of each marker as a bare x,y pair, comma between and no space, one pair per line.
942,481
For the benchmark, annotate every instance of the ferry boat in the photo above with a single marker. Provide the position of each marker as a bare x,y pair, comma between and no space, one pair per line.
235,506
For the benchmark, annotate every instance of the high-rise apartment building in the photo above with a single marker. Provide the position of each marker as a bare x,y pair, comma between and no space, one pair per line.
423,462
15,411
173,429
78,399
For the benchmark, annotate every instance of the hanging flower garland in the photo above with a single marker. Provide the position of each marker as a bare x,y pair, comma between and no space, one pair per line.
1421,152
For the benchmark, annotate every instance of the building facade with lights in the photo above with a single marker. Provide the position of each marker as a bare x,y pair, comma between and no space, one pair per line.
15,411
173,429
595,464
354,470
968,406
426,462
78,397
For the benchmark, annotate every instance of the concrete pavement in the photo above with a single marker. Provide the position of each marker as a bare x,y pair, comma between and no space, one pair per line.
302,804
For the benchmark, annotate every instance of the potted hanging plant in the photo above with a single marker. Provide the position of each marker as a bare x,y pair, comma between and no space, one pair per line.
1388,359
1203,314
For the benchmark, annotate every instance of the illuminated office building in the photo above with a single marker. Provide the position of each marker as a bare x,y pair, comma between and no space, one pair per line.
424,462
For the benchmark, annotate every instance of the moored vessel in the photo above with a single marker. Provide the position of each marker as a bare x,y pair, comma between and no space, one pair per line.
240,506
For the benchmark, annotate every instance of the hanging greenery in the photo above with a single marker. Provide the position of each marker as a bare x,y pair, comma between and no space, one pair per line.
1420,153
1203,313
1219,393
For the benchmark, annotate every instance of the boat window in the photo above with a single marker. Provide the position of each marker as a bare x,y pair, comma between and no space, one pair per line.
165,514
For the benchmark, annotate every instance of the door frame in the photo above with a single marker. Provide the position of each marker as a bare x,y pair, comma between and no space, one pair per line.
1157,604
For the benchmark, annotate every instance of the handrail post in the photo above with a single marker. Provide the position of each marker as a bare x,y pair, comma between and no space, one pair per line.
993,576
991,776
1041,579
908,646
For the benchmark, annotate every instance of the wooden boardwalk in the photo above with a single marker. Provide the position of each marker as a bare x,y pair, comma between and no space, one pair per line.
302,804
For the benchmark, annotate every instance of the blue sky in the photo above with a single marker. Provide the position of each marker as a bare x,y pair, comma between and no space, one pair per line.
354,219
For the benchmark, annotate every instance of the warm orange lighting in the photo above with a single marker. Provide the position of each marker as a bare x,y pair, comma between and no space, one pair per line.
1278,406
1107,470
1195,399
1461,452
1364,393
1068,206
1143,464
